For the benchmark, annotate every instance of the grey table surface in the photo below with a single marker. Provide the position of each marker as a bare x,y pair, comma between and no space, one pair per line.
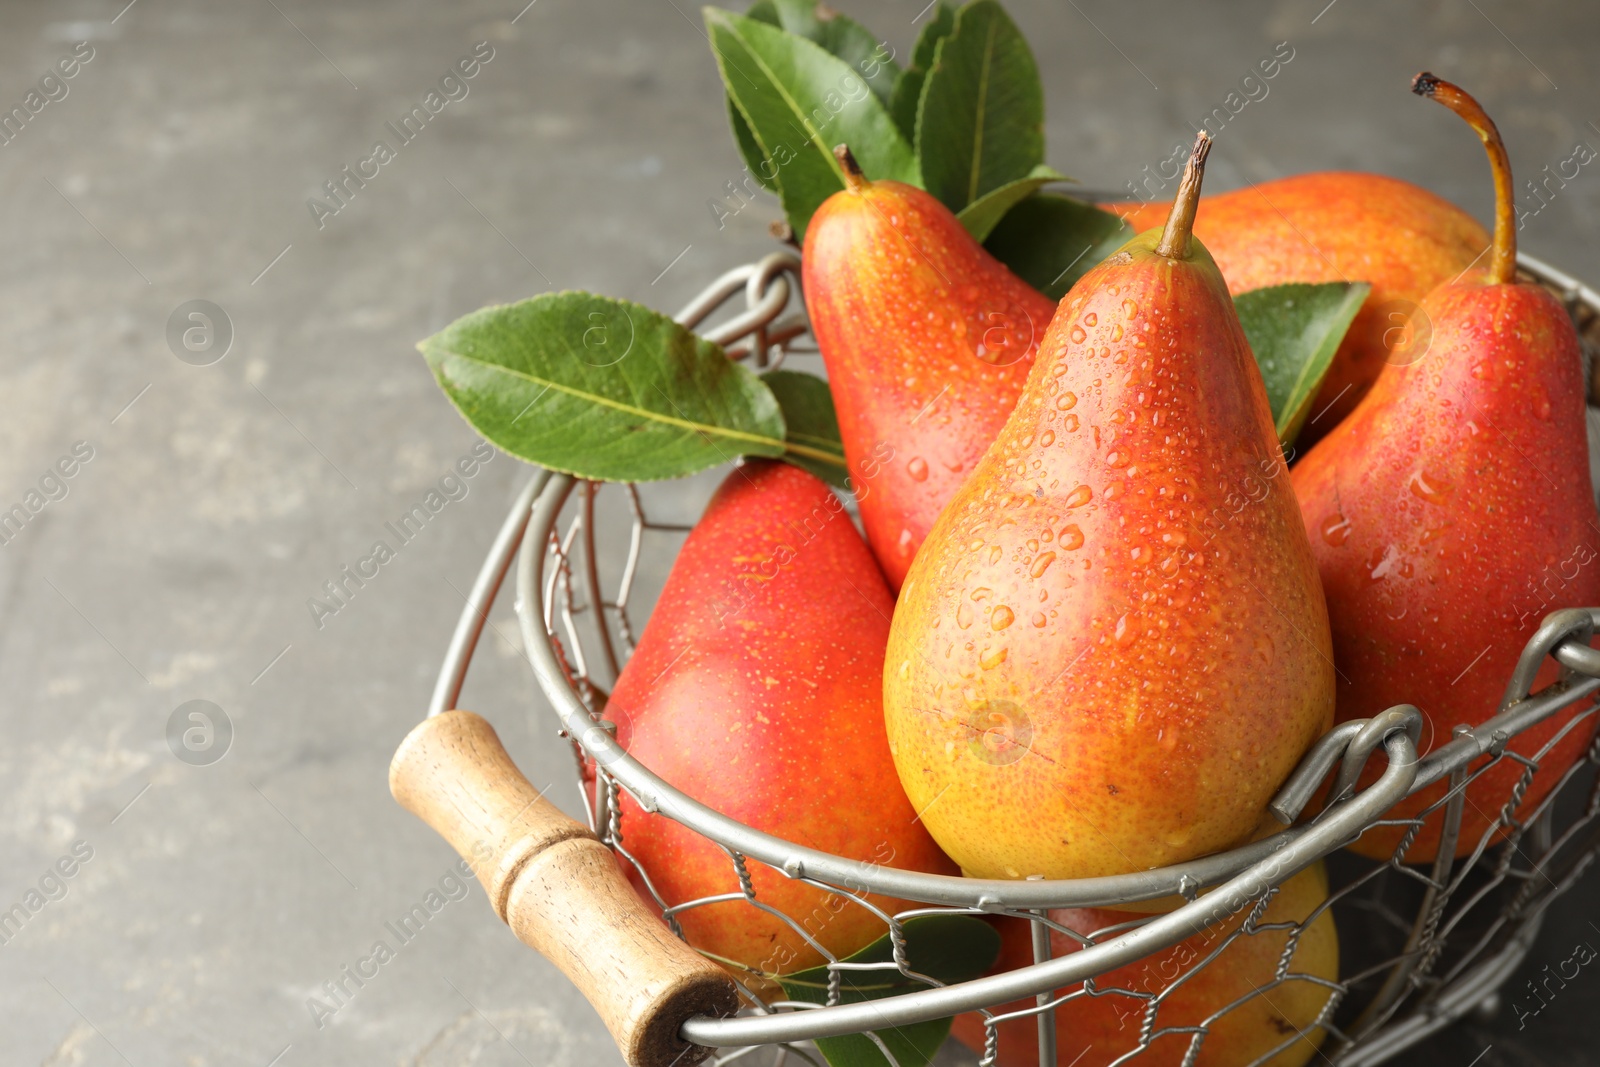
216,900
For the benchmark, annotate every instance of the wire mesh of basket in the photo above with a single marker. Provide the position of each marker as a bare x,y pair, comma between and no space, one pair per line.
1424,944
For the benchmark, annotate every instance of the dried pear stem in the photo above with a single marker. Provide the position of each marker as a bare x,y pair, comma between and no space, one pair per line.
1503,262
854,180
1174,242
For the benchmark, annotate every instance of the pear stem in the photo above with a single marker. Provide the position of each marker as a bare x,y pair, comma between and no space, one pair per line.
1503,262
1174,243
854,180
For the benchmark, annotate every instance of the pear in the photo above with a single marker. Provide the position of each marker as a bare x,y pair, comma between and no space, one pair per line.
1338,226
1112,648
1222,978
756,690
1452,511
928,340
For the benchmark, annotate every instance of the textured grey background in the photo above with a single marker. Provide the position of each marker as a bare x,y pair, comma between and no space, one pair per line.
219,898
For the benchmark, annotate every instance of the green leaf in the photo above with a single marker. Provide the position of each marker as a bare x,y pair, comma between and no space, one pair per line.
1294,331
950,948
812,424
1050,241
800,102
981,123
982,215
755,160
940,26
840,36
603,389
908,87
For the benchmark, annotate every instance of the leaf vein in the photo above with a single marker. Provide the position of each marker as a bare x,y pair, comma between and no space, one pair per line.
688,425
978,117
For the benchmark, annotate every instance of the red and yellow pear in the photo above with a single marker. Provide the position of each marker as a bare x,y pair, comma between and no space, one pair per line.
1330,227
1200,977
1112,648
756,689
1452,511
927,339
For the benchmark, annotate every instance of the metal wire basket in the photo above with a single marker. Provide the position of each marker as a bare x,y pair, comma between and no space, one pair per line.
1436,943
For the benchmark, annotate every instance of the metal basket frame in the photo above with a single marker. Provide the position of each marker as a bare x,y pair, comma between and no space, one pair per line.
556,588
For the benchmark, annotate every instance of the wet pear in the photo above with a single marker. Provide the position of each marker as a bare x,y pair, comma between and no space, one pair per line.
1452,511
1112,648
755,689
927,339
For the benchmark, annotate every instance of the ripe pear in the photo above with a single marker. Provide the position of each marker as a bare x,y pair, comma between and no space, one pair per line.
1452,511
1112,649
927,339
756,690
1093,1031
1330,227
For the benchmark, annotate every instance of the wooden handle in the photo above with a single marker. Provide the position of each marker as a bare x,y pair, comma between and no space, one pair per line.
559,889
